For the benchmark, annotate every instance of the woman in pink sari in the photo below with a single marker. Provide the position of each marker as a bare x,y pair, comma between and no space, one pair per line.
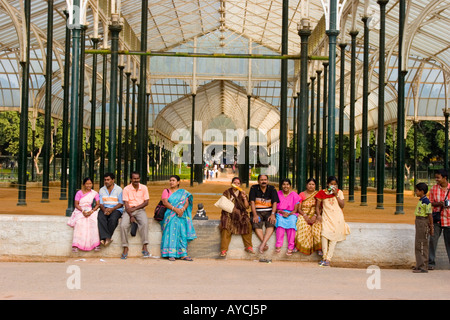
84,219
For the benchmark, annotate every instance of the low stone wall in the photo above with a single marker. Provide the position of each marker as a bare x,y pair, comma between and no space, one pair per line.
40,237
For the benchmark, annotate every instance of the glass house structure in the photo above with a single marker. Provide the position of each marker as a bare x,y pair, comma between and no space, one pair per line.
285,86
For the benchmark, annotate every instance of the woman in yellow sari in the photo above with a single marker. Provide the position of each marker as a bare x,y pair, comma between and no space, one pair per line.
307,239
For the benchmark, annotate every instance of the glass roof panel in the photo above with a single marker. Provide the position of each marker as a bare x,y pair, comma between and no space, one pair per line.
173,25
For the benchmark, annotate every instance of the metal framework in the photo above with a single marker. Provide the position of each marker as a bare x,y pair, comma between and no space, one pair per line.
270,88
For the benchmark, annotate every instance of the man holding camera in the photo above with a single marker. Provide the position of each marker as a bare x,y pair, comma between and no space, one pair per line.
439,198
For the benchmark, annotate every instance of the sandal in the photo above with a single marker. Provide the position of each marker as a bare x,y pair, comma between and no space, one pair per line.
146,254
171,259
124,256
187,258
325,263
74,249
223,253
250,250
277,250
289,253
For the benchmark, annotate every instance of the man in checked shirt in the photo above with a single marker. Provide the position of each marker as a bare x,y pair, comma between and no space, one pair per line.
439,197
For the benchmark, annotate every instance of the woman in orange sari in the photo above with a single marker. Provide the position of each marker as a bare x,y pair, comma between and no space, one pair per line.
307,239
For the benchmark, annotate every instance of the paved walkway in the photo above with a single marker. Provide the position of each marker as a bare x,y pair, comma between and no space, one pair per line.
208,279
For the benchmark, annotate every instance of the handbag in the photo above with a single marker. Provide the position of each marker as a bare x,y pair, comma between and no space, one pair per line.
160,211
225,204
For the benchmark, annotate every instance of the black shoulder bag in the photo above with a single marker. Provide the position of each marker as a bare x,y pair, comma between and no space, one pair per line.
160,211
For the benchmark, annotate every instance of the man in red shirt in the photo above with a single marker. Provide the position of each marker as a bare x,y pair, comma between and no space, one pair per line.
439,197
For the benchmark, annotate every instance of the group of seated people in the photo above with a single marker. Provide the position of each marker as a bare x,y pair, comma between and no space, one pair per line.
97,215
312,220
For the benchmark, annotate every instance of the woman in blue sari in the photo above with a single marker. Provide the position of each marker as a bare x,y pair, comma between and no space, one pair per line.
177,227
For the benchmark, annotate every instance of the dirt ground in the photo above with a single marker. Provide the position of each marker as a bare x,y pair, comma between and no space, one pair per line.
110,279
207,193
210,279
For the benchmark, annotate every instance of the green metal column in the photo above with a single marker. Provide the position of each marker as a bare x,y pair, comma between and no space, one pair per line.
115,27
247,142
80,152
147,113
294,141
324,174
23,133
311,130
283,160
73,159
127,130
416,128
446,114
381,130
318,158
192,139
332,35
54,149
365,114
133,127
341,118
308,164
153,159
65,126
33,148
119,130
352,153
302,132
95,42
141,130
48,105
103,121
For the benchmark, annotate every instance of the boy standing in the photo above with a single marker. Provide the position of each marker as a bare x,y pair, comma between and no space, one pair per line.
424,227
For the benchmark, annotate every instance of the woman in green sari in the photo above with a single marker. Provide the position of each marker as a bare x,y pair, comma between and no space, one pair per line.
177,227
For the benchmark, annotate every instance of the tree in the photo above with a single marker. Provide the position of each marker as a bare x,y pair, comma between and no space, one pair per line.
430,144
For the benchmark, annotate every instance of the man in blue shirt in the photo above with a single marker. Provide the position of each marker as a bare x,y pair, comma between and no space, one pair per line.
111,208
